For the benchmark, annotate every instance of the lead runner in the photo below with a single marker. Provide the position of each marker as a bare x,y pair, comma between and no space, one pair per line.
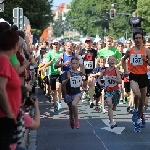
73,81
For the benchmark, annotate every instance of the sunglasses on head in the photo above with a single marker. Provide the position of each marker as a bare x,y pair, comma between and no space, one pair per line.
55,43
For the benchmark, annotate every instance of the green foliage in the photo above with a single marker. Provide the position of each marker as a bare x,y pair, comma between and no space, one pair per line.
36,32
144,11
37,11
94,16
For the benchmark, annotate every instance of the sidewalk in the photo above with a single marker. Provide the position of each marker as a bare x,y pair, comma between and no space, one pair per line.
55,133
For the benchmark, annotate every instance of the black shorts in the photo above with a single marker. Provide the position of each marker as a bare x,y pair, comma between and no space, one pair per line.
141,79
98,91
53,79
127,87
46,80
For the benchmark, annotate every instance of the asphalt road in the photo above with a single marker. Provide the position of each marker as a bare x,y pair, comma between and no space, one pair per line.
55,133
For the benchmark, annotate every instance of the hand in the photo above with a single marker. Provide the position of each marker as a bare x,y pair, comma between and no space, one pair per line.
29,86
126,73
67,63
27,39
83,77
27,63
83,56
36,103
68,75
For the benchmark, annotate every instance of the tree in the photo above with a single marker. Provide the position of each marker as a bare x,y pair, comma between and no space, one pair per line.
93,15
143,11
38,12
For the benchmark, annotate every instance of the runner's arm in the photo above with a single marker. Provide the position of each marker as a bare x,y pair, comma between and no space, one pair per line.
124,60
58,63
148,55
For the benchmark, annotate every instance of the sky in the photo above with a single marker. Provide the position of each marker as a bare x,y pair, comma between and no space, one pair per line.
57,2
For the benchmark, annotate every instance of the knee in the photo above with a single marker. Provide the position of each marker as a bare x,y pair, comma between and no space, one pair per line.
74,105
137,94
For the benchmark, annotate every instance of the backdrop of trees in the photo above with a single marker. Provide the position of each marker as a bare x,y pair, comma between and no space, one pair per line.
92,16
37,11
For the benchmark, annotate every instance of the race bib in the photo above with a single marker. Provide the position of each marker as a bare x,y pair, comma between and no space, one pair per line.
136,59
106,65
110,83
75,81
88,64
31,67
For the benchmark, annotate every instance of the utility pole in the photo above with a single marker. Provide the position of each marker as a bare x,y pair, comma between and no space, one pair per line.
1,5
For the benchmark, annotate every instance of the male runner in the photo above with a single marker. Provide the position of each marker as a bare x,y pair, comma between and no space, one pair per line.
139,57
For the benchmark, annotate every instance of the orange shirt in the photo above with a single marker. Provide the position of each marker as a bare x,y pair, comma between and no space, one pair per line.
136,64
109,84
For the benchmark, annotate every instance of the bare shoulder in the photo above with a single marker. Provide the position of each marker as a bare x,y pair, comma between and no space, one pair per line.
147,50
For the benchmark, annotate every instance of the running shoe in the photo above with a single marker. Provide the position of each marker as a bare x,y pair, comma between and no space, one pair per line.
55,110
113,124
137,127
72,123
77,125
128,109
59,105
143,121
91,104
104,111
145,107
121,101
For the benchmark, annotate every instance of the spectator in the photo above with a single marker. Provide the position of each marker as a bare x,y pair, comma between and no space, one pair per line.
30,123
22,60
10,93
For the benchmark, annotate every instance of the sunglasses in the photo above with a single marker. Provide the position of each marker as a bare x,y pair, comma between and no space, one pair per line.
55,44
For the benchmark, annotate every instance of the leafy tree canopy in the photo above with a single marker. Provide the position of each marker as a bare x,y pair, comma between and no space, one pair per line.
93,17
144,11
37,11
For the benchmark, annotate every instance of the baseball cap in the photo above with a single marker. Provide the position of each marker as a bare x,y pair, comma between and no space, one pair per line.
88,39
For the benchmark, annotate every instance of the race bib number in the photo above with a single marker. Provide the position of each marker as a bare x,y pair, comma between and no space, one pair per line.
75,81
136,59
110,83
88,64
106,65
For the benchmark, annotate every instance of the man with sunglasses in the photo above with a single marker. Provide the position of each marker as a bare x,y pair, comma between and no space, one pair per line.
139,57
51,58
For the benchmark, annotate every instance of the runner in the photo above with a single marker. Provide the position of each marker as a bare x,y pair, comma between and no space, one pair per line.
109,50
73,81
99,90
112,93
51,58
138,56
89,55
63,62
